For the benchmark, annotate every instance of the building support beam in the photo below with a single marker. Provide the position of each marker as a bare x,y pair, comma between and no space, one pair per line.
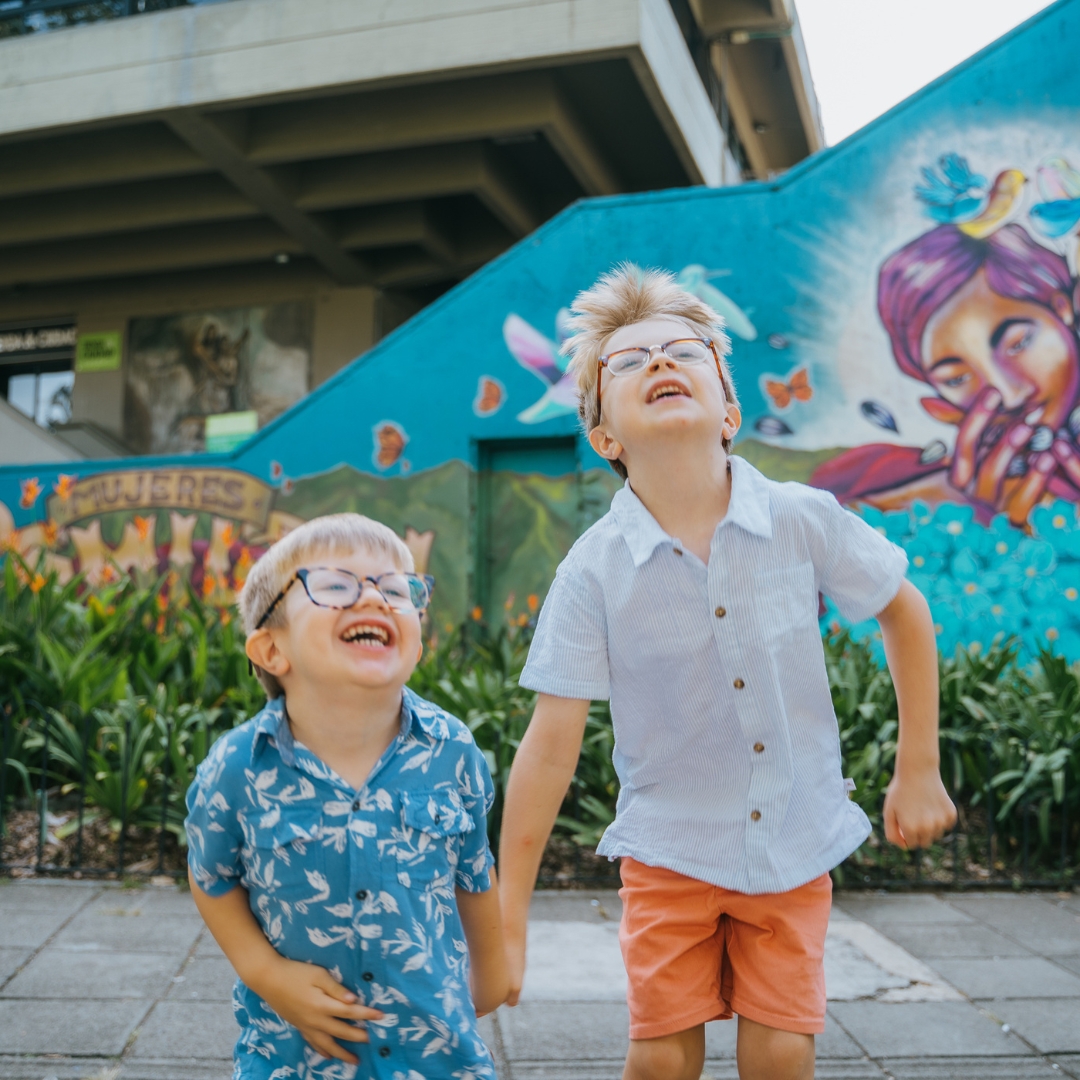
213,144
739,109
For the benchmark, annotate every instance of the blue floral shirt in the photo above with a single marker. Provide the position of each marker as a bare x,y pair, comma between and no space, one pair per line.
359,882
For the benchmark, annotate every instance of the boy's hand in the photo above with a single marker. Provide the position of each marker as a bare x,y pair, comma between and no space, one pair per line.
313,1001
917,809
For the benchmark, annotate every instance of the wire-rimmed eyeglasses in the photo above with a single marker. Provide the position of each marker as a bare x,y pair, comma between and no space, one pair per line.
684,351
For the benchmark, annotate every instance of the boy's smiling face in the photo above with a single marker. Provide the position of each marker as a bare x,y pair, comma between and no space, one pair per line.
366,646
662,400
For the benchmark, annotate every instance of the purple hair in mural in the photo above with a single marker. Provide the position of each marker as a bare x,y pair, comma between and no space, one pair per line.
990,324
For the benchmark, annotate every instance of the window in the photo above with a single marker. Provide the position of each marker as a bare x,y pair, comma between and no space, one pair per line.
36,370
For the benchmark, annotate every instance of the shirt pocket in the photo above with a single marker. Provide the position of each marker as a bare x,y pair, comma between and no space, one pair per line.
788,603
433,824
285,857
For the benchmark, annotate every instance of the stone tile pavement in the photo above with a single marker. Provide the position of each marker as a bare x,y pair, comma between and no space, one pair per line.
109,983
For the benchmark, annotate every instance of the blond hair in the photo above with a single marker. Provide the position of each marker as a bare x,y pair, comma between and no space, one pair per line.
333,534
626,295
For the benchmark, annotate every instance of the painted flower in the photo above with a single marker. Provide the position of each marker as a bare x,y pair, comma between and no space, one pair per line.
64,486
30,489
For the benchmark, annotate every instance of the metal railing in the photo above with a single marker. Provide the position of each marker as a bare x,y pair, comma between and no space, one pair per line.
86,799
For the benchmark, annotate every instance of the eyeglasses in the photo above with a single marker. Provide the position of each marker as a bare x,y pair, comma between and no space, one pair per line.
405,594
684,351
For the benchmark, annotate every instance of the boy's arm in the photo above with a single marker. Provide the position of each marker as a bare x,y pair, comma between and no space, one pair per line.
304,995
482,922
917,807
539,778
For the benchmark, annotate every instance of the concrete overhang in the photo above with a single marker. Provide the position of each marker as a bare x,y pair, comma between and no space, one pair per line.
760,55
249,130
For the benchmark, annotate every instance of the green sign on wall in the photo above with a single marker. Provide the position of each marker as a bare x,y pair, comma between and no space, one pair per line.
98,352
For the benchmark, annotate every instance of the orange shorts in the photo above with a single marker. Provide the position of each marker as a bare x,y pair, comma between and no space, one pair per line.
695,952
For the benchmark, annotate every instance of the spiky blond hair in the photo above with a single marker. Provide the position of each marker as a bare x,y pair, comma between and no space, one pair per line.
628,294
332,534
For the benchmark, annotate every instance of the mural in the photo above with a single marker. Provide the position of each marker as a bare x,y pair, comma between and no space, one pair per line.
183,368
904,311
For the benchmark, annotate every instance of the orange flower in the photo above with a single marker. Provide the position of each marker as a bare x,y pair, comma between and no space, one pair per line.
37,583
244,559
51,531
162,602
160,625
31,489
523,619
509,602
207,584
228,535
64,486
142,524
108,573
226,616
533,601
477,613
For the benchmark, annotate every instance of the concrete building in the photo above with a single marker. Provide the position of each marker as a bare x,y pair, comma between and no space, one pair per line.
216,206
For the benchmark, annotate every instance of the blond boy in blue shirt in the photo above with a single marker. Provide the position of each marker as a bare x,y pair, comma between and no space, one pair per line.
693,606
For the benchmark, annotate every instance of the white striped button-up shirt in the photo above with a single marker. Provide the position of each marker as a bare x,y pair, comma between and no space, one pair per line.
726,743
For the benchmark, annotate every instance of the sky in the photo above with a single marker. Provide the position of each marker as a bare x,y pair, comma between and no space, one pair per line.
867,55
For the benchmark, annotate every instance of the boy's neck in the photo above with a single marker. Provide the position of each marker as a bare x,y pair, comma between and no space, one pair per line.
348,729
688,494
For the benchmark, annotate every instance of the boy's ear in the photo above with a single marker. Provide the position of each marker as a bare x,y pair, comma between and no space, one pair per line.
262,650
732,422
605,444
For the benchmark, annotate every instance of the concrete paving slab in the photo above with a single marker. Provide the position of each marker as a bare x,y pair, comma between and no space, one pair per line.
45,896
60,974
181,1030
208,946
1012,977
885,910
30,929
565,1031
937,1028
112,930
1068,1063
11,960
1052,1026
835,1043
1072,963
550,905
950,1068
1031,920
36,1066
76,1027
206,978
574,961
952,940
148,901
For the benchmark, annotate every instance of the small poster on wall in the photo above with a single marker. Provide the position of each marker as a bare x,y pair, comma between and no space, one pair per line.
183,368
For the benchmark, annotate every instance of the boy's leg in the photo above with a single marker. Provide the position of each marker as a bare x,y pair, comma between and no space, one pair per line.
671,1057
765,1053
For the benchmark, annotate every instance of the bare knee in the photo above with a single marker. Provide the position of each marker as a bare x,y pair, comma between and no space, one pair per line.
672,1057
766,1053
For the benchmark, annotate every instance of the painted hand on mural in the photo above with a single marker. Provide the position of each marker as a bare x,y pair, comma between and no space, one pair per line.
987,316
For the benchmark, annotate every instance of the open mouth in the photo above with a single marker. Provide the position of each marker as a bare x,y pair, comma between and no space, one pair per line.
370,634
666,390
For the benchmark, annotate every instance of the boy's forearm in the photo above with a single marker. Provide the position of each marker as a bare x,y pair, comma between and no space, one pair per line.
482,921
907,630
543,768
237,931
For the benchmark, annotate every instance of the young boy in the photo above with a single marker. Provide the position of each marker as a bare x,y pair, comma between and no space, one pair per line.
693,605
337,840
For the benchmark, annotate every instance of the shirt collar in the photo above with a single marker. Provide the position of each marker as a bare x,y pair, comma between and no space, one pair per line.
748,508
271,722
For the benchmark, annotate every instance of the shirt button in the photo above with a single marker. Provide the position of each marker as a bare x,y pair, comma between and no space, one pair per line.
758,747
738,684
721,612
361,894
384,1051
356,806
678,551
367,976
755,815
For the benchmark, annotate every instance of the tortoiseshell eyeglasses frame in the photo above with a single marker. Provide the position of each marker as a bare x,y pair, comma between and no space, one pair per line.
602,361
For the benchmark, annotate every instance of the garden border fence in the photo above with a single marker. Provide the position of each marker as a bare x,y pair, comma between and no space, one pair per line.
970,857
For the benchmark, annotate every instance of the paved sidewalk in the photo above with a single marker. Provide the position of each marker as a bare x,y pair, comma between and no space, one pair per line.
101,982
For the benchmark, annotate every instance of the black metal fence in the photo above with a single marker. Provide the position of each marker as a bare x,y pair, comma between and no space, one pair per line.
80,799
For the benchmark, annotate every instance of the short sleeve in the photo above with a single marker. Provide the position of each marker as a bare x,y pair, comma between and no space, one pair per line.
213,831
477,792
863,570
568,656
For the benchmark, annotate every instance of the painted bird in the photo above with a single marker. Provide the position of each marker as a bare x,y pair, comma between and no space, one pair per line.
1003,204
542,357
695,280
1059,212
952,193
